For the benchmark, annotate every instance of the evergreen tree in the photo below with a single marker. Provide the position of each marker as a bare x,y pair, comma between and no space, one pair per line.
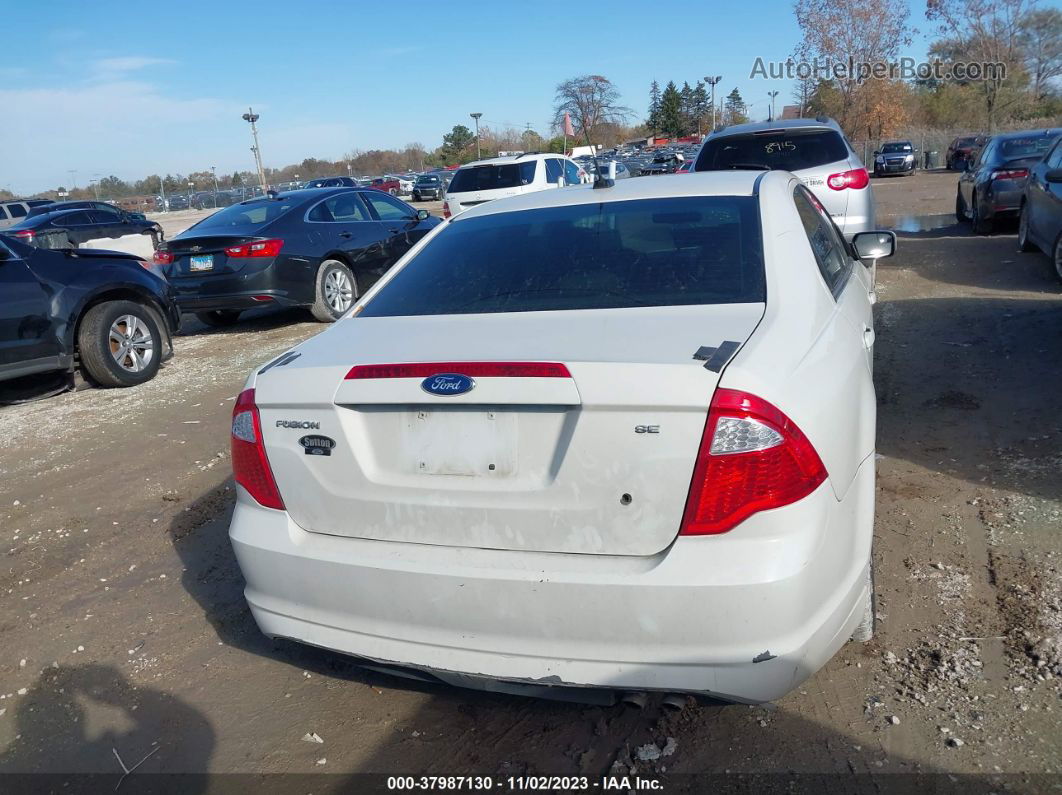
670,118
653,121
702,110
735,111
686,103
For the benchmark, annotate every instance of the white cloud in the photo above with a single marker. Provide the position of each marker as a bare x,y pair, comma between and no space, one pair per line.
114,67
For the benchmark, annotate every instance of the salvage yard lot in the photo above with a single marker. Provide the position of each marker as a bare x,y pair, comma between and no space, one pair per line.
124,625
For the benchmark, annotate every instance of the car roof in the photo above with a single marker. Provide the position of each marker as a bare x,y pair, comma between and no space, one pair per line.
703,183
493,161
1042,132
822,122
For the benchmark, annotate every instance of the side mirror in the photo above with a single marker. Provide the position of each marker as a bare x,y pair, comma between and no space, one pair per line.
1054,175
877,152
874,245
423,215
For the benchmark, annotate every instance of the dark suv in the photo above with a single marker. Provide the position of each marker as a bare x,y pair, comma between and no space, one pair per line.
98,309
429,187
895,157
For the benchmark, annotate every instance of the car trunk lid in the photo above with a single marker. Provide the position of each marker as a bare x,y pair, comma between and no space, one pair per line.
597,460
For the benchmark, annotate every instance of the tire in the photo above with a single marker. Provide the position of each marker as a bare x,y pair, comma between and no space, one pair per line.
393,191
416,196
335,291
219,318
1057,257
960,208
981,226
864,631
1024,244
120,344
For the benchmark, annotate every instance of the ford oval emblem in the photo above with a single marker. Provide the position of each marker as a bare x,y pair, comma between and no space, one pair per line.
446,384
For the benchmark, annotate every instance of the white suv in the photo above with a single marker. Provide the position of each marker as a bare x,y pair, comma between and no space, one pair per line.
500,177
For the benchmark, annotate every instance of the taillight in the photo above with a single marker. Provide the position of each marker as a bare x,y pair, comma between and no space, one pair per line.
250,466
446,210
1010,173
163,256
24,234
260,248
857,178
752,458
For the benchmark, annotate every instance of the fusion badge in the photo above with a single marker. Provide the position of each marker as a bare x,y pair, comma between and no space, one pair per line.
446,384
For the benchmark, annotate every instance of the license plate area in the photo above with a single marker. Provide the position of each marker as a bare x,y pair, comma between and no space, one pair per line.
472,441
201,262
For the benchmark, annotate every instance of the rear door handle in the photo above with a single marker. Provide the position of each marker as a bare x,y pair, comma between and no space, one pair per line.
868,337
346,234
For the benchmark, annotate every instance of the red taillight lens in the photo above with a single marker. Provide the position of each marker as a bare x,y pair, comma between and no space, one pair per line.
24,234
446,210
259,248
752,458
1010,173
857,178
472,369
162,257
249,463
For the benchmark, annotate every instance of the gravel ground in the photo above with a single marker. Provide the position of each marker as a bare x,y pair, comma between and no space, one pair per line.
123,631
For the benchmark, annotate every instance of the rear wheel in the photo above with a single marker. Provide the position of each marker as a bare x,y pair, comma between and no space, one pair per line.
981,225
1024,244
120,344
1058,257
335,292
393,191
960,208
219,318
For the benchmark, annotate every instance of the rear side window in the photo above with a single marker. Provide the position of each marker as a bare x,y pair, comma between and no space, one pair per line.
788,150
72,219
650,252
17,210
493,177
344,208
1015,148
826,243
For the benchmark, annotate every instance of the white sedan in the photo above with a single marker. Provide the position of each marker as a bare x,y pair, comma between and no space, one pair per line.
616,437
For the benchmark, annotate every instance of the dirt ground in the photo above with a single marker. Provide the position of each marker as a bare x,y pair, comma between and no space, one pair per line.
124,635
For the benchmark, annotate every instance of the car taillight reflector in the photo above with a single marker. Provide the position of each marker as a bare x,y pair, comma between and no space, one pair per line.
24,234
472,369
162,257
446,210
857,178
259,248
1010,173
250,466
752,458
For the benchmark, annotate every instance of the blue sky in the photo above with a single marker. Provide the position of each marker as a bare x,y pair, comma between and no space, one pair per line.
114,88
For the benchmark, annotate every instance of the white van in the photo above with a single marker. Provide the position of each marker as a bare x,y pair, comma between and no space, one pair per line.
499,177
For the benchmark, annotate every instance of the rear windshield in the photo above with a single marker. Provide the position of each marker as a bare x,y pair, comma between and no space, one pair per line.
964,141
1016,148
509,175
246,216
650,252
788,150
893,149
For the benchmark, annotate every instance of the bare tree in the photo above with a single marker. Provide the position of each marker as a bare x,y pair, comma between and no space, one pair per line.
836,30
987,31
1041,38
590,100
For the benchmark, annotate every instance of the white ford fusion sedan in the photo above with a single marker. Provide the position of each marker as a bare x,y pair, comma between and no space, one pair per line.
607,437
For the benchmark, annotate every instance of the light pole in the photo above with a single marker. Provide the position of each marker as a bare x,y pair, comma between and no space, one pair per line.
162,190
73,178
713,82
214,174
772,95
476,117
191,196
96,188
251,117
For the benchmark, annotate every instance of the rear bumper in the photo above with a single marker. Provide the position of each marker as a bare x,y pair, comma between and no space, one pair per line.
902,168
746,616
284,282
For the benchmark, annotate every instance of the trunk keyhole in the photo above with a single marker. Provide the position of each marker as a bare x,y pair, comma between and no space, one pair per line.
626,499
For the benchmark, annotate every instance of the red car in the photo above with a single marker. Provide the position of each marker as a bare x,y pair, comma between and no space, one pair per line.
392,186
